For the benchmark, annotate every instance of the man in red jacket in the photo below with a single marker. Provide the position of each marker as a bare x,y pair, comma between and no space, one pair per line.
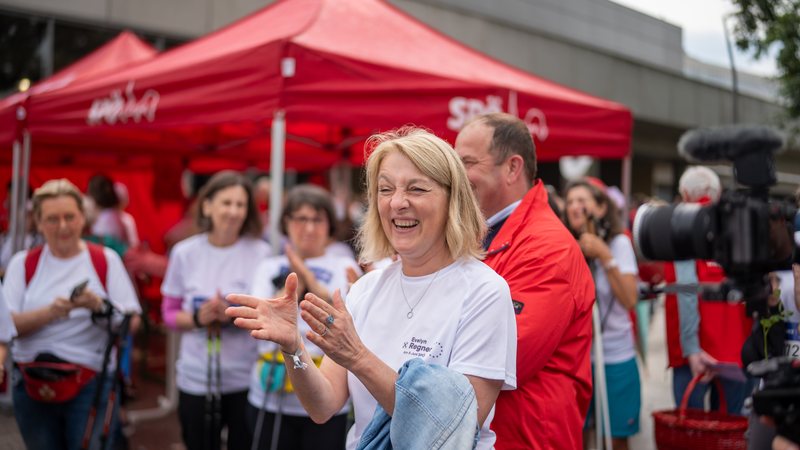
551,287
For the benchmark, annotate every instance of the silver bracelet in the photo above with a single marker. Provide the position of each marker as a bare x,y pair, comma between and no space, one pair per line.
298,363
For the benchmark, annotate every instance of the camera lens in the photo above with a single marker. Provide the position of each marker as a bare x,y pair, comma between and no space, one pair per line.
674,232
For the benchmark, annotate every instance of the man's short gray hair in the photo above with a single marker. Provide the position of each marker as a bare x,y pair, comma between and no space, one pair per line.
698,183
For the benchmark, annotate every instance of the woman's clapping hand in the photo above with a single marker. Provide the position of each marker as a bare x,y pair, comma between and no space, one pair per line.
272,319
333,327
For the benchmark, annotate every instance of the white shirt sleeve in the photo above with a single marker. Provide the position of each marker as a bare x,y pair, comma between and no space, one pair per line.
172,285
118,284
14,282
7,329
483,347
622,251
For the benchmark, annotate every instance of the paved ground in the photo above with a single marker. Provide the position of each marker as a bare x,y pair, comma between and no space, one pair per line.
164,432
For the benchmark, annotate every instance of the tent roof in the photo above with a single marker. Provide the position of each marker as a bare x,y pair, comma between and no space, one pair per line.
338,68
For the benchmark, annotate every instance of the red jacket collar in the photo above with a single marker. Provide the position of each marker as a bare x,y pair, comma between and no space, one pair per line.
534,200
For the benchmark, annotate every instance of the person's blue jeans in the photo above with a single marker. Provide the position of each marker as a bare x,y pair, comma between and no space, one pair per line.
60,426
735,392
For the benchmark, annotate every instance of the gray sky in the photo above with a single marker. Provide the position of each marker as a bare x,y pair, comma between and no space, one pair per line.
703,36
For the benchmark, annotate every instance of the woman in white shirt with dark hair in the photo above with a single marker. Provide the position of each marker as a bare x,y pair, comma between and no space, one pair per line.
593,218
214,359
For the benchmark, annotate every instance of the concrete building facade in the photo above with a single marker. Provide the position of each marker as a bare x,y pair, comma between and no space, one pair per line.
596,46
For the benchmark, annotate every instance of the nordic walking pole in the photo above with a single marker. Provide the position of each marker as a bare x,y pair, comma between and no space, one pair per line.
601,413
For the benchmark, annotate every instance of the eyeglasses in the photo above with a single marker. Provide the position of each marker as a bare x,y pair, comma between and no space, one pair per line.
54,221
304,220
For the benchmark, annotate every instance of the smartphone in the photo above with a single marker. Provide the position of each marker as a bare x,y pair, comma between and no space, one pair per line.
78,290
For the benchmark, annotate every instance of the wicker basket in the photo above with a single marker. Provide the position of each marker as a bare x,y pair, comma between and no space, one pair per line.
686,429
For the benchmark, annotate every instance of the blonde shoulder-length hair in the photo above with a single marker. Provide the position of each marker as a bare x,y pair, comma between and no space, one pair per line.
436,159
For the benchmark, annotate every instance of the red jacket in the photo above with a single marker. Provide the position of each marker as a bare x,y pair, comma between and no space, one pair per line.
553,294
723,326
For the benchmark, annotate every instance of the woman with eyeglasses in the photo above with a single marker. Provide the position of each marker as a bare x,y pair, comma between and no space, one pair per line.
61,297
274,413
215,358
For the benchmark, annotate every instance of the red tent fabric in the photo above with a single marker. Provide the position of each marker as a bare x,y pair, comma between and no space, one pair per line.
339,69
122,51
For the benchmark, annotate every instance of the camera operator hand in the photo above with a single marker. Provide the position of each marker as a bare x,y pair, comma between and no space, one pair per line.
700,363
779,442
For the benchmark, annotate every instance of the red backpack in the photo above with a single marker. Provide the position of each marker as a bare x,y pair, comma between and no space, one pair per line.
96,254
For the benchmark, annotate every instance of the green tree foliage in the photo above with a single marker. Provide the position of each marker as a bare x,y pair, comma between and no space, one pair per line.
763,25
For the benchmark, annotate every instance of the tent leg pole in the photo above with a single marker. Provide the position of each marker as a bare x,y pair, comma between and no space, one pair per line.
627,171
276,168
22,199
15,188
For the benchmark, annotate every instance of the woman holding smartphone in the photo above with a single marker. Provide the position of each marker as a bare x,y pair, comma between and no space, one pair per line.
59,296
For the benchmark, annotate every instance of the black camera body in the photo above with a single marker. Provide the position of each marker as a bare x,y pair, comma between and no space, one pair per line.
745,233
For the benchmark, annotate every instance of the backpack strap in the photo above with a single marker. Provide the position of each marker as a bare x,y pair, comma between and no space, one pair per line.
31,262
96,254
99,262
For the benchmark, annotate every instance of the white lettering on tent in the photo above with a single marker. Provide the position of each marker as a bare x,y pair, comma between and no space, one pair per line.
463,109
122,106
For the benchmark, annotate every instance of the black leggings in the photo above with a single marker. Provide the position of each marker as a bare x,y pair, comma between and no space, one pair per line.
196,436
299,432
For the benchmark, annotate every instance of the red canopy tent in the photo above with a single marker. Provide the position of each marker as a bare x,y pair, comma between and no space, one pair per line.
335,71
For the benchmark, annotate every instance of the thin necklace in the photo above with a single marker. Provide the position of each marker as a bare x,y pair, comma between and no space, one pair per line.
411,308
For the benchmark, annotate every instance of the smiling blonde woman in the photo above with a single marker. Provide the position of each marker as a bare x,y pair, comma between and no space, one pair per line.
437,302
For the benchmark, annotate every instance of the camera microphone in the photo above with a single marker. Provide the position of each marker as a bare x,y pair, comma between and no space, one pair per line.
750,147
729,142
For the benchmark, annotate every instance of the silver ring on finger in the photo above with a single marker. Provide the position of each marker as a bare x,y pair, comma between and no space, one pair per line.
329,320
324,332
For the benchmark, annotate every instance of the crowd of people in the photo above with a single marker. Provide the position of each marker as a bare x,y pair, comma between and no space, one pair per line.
466,320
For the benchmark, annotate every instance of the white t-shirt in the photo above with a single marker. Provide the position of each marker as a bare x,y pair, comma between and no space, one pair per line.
7,330
131,232
464,320
792,343
618,339
75,339
109,223
196,271
330,271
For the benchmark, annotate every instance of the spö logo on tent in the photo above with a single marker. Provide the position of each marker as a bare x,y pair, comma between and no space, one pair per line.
463,109
119,107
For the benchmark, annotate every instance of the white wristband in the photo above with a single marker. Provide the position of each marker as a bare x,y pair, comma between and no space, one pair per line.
612,263
298,363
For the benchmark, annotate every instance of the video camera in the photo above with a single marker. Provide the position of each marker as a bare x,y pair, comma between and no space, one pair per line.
746,233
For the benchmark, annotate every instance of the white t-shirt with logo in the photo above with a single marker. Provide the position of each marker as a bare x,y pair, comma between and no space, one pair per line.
7,330
618,338
196,271
330,271
463,319
75,339
791,346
